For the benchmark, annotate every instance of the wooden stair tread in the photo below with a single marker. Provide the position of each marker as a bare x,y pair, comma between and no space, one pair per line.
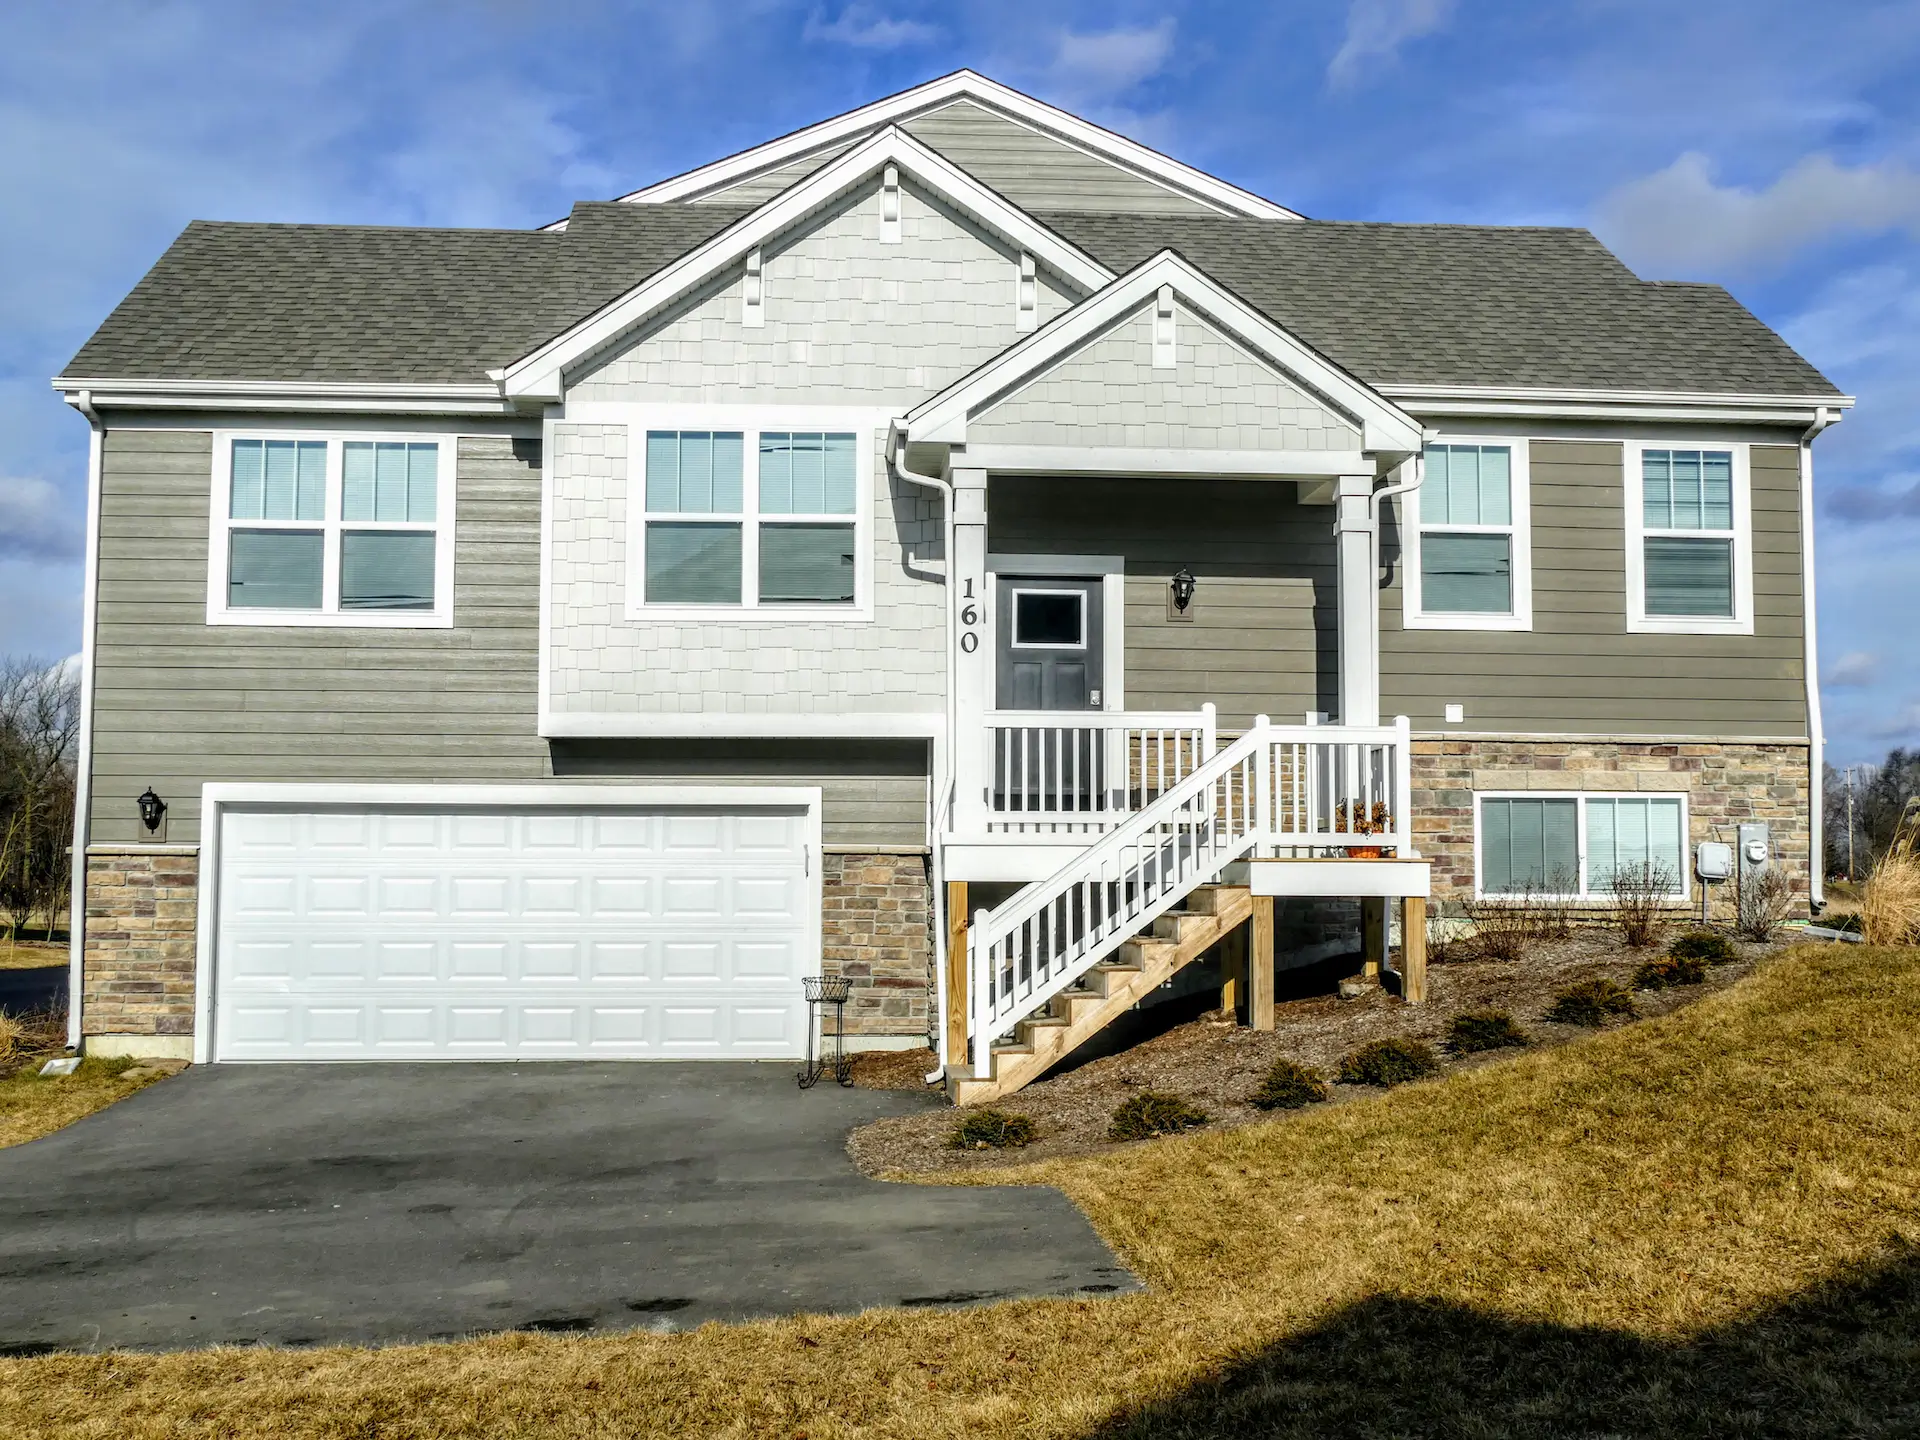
1138,965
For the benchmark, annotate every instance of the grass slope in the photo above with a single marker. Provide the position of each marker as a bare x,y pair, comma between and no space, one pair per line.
1701,1225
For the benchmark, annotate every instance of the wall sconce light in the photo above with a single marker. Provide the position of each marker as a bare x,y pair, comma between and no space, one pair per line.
1180,595
153,811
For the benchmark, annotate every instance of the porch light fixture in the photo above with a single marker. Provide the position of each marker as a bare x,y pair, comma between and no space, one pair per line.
1183,587
152,810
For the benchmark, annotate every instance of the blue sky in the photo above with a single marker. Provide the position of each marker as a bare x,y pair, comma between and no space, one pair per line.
1767,145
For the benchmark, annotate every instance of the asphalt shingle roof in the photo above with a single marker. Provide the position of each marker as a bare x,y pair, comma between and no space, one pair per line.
1407,304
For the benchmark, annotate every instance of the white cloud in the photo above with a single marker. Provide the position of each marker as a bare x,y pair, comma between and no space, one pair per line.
1103,65
1677,221
861,27
1376,29
1856,667
34,522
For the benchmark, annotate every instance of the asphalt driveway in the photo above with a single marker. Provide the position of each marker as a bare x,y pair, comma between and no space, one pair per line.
309,1204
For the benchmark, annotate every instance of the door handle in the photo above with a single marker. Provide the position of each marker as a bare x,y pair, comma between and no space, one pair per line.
1093,699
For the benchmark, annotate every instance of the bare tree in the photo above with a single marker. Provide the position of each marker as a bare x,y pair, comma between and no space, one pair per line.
39,731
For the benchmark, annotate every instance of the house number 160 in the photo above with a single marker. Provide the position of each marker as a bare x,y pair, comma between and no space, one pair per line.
969,617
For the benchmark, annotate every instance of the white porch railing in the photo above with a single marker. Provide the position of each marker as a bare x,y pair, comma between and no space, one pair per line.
1054,772
1275,788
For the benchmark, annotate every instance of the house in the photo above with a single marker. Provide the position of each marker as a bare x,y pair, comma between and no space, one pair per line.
951,546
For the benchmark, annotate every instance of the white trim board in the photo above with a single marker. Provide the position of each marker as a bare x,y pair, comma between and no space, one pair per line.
135,393
990,95
631,725
943,418
218,797
540,374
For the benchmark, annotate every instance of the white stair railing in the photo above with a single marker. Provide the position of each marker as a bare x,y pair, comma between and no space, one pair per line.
1276,787
1067,772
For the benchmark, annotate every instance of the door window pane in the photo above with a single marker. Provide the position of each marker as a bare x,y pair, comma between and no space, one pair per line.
692,563
274,569
806,473
389,482
806,563
1043,617
1629,836
1528,844
279,480
1466,574
386,570
1689,577
694,472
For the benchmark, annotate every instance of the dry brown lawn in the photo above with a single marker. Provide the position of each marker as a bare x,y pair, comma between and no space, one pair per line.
32,1105
35,954
1707,1224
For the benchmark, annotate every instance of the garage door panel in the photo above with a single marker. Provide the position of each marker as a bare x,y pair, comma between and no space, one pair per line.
503,934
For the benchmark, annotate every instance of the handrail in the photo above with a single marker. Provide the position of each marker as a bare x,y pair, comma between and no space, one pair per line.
1277,787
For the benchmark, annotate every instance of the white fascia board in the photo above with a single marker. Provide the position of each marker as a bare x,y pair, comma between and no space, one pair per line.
588,725
1729,407
466,796
141,394
539,373
1124,460
1129,155
942,419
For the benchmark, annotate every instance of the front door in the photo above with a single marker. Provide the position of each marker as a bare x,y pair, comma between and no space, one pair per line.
1049,644
1048,658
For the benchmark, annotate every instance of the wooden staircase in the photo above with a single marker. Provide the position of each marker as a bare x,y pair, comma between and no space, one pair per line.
1106,991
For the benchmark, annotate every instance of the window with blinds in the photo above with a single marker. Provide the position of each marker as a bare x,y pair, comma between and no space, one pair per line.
1468,544
1577,845
1687,532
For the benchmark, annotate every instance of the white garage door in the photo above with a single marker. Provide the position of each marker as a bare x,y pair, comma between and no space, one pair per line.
461,934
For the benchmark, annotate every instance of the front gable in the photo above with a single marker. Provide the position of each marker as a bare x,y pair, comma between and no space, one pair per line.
1166,359
1215,395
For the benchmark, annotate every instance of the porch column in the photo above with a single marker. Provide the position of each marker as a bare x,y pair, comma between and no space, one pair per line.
972,642
1356,546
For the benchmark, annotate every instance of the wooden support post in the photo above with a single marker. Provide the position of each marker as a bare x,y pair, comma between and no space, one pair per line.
956,997
1260,965
1413,949
1233,970
1373,936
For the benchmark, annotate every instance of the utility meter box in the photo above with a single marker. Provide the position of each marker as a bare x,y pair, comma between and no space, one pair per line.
1713,861
1755,850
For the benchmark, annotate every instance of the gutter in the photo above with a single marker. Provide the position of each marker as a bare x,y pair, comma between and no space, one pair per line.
83,756
1816,729
943,782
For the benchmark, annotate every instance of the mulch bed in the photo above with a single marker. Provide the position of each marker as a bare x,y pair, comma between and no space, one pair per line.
1215,1064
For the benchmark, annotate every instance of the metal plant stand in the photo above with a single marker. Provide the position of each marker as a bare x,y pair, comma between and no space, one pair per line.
827,990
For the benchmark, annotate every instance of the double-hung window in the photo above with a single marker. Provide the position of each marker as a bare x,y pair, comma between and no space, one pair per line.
750,519
1688,561
1468,552
315,529
1577,846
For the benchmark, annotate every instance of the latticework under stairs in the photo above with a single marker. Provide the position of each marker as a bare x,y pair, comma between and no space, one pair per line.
1107,991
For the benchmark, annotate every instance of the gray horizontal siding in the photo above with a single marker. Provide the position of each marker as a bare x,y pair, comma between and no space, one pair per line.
178,703
1577,670
873,792
1261,640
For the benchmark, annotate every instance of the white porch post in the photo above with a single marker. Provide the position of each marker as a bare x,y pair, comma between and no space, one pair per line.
1357,547
972,639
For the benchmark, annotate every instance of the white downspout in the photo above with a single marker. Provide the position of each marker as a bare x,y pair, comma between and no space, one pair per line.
1816,727
83,749
942,781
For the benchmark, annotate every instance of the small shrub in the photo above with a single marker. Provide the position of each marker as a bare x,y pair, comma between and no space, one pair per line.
1389,1062
992,1130
1477,1030
1765,905
1591,1002
11,1034
1504,925
1641,896
1288,1086
1153,1112
1667,971
1708,945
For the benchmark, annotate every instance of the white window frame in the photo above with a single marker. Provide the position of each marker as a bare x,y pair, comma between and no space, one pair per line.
750,424
330,615
1013,620
1638,621
1520,542
1584,896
